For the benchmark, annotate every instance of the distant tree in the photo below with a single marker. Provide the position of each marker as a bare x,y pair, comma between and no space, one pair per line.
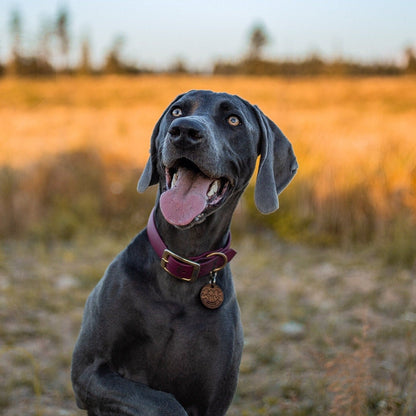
258,40
410,60
113,63
21,64
15,27
179,67
16,31
62,34
312,65
85,63
45,38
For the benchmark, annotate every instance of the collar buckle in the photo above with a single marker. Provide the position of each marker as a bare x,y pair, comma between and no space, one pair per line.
164,262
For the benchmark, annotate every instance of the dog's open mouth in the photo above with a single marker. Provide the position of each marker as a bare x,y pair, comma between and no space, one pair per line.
190,194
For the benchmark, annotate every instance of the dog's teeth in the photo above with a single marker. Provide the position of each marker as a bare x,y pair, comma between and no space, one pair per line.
213,189
174,179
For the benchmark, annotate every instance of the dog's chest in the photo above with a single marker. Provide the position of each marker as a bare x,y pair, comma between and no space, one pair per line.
177,349
178,336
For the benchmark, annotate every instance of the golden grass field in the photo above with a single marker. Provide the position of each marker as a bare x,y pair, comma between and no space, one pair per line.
345,131
330,329
354,138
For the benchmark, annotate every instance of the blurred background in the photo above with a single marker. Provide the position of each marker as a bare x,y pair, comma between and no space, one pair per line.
326,284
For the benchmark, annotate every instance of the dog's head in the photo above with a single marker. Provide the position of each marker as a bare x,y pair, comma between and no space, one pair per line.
203,153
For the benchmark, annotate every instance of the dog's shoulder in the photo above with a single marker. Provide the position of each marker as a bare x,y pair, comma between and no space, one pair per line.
132,260
123,282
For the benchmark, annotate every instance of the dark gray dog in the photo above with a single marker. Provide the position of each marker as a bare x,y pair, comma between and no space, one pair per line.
161,333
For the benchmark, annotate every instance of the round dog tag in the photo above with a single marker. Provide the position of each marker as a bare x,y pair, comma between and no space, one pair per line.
211,296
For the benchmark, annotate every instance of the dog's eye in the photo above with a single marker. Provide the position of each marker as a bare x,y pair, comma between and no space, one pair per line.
234,121
176,112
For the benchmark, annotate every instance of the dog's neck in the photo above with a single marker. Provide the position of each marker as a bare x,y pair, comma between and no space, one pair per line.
209,235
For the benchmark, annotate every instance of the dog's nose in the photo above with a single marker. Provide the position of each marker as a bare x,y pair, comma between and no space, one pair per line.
186,132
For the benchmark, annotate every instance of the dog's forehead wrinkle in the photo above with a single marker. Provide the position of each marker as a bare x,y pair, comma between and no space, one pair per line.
209,101
230,106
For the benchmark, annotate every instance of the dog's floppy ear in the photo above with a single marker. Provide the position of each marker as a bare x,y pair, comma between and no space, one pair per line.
150,175
277,166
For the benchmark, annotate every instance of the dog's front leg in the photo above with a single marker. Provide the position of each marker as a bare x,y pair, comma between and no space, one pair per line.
105,393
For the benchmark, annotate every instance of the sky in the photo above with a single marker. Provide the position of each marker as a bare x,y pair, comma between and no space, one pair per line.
157,33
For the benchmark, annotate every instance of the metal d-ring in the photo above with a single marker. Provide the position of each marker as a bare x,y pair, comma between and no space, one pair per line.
217,253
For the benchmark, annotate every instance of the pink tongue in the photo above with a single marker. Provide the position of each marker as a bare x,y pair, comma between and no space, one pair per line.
186,199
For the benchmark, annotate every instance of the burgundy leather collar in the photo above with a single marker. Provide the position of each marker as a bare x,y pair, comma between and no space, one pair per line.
194,267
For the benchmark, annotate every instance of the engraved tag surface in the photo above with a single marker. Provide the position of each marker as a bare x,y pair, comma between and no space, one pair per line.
211,296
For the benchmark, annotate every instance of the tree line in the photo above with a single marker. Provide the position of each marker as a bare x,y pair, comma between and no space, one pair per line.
50,55
50,51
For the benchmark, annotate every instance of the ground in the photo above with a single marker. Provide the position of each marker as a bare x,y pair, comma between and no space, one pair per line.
327,331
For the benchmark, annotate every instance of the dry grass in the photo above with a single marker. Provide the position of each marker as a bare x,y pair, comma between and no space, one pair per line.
353,347
353,137
349,126
354,352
